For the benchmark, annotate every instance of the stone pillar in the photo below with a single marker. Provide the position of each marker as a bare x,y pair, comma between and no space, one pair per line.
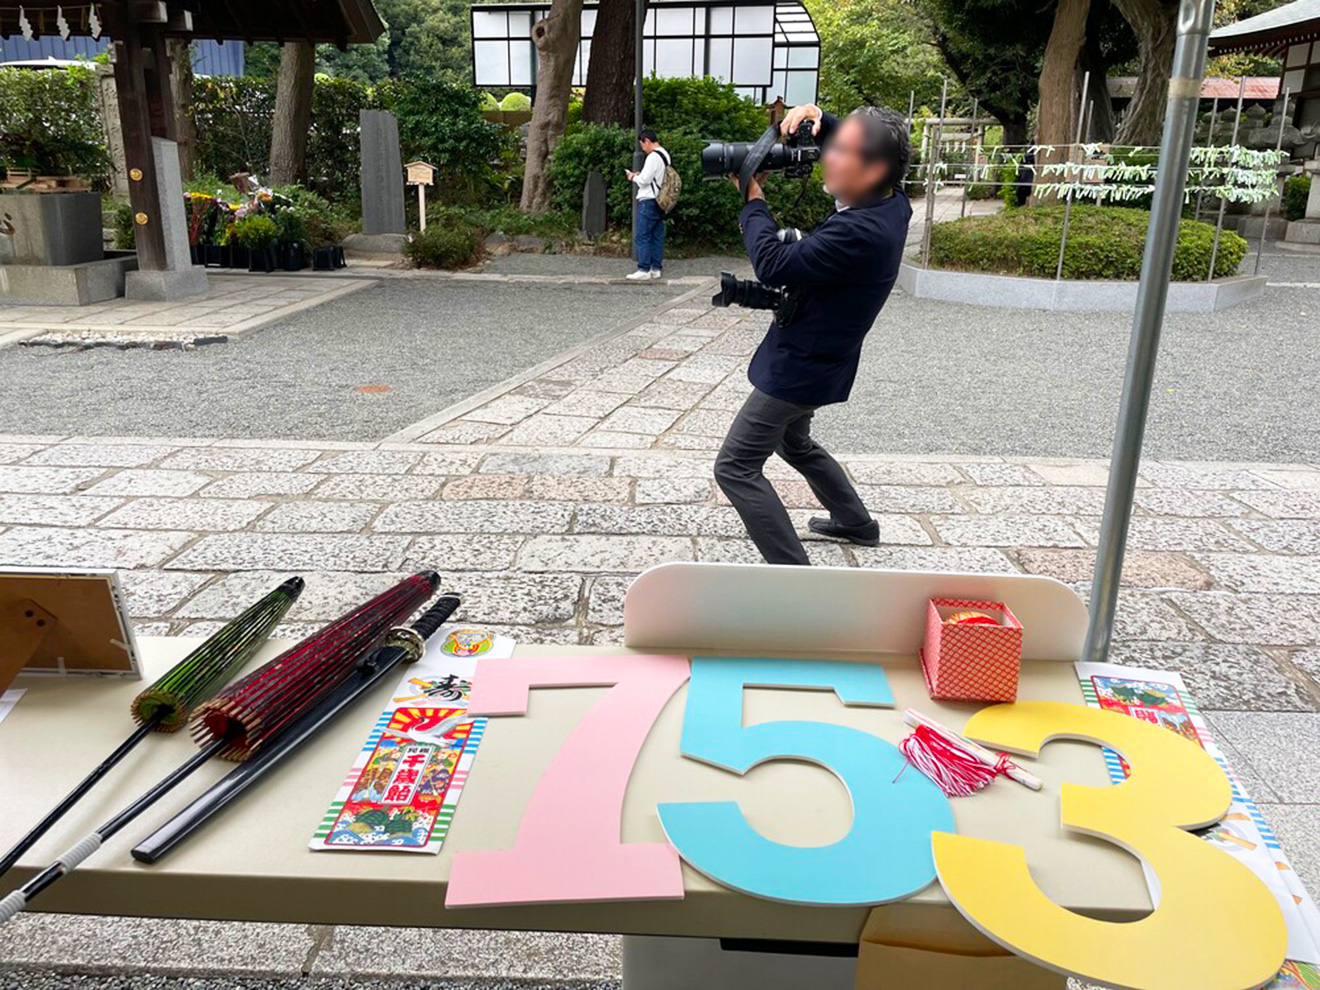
114,134
1313,200
382,174
180,278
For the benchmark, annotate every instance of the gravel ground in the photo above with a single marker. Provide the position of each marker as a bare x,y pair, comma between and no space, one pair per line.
1241,385
432,341
47,980
577,264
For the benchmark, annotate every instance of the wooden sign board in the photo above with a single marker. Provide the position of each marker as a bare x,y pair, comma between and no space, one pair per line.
64,622
420,174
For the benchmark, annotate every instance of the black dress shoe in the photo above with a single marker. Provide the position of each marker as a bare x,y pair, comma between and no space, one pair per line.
866,535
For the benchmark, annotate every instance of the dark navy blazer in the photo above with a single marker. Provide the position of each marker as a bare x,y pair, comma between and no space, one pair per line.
844,270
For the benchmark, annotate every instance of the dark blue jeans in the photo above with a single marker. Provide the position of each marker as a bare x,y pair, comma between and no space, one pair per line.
649,238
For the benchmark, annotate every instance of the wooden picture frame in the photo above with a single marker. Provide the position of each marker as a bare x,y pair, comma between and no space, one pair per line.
66,622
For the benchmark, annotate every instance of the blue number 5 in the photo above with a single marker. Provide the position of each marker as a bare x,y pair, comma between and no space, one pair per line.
884,857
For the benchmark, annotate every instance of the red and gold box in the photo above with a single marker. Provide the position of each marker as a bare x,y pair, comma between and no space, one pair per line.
971,661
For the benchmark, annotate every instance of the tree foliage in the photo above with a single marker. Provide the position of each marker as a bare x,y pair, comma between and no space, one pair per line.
50,122
994,47
875,52
422,37
442,123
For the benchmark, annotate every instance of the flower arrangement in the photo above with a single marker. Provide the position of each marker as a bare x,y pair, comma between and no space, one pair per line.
294,223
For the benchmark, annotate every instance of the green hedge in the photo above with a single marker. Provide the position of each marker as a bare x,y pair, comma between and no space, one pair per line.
439,122
1296,190
454,245
686,113
50,122
1104,242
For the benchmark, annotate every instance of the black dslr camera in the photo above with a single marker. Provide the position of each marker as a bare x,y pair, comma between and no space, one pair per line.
795,156
745,292
750,294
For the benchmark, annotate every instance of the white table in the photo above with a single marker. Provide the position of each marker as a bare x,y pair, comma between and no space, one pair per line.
252,863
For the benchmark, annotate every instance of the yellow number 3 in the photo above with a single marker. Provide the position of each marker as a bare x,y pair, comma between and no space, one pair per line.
1217,927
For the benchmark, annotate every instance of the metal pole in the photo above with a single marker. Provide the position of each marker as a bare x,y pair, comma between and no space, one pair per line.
1265,221
1219,223
912,106
1209,143
638,158
931,164
1194,20
971,171
1067,201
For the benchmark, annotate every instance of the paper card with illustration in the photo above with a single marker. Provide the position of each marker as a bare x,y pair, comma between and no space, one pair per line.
401,792
8,699
1161,697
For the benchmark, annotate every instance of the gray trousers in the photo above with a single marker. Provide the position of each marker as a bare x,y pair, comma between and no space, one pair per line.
764,426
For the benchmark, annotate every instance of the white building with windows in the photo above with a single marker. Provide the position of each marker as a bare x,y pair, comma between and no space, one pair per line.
765,51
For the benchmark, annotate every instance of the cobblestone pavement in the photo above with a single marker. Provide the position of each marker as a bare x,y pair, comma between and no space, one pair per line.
235,305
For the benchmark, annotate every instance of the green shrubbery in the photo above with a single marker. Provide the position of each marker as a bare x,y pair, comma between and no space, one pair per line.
686,113
1296,190
439,122
256,232
1104,242
442,123
506,219
50,122
449,245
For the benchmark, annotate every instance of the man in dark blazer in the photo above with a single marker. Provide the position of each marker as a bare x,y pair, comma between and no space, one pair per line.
843,271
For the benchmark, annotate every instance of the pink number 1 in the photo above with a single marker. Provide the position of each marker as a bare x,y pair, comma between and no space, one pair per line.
568,846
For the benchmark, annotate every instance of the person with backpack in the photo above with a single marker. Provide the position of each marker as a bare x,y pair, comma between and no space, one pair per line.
658,185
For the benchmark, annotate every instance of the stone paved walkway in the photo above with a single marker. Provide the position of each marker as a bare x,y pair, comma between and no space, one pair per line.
235,305
672,383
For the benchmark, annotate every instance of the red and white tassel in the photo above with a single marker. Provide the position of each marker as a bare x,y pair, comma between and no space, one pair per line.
953,769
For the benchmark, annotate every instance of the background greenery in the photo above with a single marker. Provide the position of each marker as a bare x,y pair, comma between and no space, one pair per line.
50,122
1103,242
686,113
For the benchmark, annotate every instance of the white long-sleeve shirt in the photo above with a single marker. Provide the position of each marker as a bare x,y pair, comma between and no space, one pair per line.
652,174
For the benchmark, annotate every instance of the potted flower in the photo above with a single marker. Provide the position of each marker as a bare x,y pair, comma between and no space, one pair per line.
199,207
293,239
219,249
257,234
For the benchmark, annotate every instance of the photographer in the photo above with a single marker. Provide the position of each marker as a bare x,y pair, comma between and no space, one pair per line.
842,273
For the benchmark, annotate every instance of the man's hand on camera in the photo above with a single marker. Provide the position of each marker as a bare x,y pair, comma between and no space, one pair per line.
753,187
795,117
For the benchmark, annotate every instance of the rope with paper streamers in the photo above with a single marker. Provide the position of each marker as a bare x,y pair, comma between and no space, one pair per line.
954,770
957,765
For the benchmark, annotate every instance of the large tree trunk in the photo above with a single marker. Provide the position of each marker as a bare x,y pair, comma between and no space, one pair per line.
1099,105
1012,116
556,39
1056,119
293,112
181,89
609,97
1155,25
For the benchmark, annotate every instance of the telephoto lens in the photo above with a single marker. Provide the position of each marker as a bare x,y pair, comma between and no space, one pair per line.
723,158
794,156
743,292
